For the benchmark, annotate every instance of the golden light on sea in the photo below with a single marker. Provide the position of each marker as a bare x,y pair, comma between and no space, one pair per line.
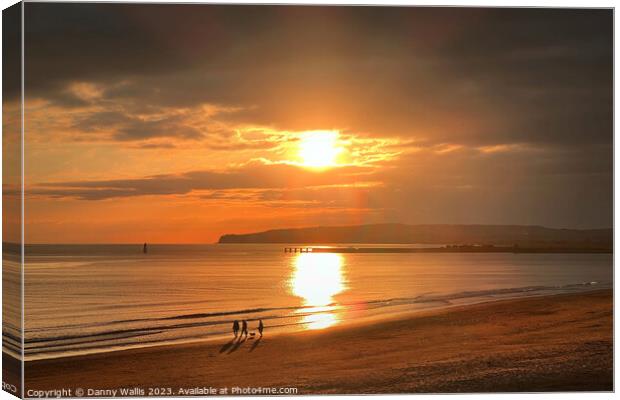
317,278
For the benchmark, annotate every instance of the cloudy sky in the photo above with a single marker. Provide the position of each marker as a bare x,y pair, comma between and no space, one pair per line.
179,123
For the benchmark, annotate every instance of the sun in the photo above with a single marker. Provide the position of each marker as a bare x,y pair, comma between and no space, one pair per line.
319,149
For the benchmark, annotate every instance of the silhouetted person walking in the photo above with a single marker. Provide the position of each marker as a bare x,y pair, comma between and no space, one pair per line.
260,327
145,249
244,328
236,327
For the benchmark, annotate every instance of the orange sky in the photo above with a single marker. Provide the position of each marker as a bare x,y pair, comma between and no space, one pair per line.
182,123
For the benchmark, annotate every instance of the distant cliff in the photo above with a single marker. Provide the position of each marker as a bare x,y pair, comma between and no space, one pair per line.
520,235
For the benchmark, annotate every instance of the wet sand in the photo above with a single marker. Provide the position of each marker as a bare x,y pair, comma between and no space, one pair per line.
552,343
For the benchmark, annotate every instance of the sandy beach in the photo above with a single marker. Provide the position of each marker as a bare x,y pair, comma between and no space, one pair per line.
552,343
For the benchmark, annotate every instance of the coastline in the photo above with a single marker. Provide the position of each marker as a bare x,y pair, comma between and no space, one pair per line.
543,343
402,311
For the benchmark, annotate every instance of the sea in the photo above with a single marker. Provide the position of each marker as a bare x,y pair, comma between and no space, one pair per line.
82,299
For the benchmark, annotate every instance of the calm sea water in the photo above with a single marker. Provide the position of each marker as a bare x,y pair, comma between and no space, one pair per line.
82,299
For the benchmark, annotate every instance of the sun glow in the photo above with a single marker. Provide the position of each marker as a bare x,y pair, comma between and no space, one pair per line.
319,149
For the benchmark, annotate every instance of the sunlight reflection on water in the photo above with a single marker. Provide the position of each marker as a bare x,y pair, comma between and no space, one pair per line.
317,278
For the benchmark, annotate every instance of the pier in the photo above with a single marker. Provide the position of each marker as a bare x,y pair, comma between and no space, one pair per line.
452,249
298,249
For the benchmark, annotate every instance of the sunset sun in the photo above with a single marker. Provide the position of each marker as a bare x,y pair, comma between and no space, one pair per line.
319,149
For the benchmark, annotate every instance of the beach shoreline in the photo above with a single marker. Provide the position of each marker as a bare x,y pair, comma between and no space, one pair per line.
560,342
430,306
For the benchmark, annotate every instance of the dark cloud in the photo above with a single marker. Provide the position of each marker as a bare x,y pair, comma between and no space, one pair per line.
102,120
11,52
123,127
251,176
165,127
150,145
481,76
564,188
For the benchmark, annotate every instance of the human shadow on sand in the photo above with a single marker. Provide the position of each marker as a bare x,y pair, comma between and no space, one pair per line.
235,345
255,345
228,345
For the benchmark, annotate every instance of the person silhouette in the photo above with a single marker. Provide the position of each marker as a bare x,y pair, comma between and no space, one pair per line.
236,327
244,328
260,327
